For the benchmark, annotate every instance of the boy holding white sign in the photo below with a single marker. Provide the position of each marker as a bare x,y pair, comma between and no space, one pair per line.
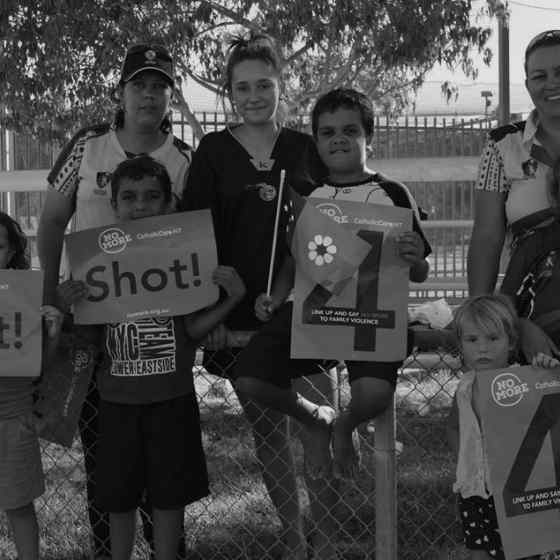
149,438
342,123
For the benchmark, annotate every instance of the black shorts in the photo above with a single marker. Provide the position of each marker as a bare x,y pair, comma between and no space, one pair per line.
154,447
221,362
480,525
267,357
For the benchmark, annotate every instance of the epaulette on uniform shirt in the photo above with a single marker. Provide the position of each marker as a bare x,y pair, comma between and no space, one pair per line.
498,134
184,148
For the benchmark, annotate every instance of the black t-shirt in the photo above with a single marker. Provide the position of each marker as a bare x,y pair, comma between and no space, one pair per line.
146,361
243,199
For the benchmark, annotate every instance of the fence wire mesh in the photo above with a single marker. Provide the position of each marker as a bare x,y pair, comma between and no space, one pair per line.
238,521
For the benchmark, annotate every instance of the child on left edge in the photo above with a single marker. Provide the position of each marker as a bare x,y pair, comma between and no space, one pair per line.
149,439
21,472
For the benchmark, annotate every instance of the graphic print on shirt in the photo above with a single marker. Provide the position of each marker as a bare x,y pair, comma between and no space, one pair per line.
529,168
103,180
263,164
144,347
369,191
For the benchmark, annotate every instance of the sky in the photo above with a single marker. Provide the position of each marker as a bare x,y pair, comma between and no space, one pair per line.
528,18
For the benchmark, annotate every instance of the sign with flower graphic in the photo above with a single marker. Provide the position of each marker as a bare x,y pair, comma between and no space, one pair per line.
322,250
351,287
325,251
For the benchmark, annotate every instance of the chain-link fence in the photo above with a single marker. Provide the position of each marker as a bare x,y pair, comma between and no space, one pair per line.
238,521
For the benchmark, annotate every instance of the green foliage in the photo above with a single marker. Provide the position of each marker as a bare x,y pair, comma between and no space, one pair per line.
59,58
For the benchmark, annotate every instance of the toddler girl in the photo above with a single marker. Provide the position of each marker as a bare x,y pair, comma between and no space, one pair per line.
487,333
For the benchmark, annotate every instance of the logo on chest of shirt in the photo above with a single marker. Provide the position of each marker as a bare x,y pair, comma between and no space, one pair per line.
81,360
266,192
529,168
262,164
103,181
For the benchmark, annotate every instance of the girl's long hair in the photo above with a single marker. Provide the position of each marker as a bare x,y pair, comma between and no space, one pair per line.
18,243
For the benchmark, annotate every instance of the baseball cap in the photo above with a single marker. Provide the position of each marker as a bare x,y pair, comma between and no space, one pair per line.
147,57
544,39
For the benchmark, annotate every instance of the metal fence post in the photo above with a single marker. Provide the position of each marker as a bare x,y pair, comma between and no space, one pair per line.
385,485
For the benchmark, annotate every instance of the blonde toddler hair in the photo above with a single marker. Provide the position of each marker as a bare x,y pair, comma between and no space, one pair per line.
490,313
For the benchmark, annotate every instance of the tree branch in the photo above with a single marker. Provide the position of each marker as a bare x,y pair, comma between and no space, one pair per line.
344,70
222,24
181,105
298,53
327,71
234,16
403,85
212,86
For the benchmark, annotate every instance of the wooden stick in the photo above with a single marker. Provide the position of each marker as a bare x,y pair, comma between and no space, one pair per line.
275,235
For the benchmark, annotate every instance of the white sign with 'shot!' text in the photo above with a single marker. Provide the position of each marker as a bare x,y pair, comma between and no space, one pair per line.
21,295
154,267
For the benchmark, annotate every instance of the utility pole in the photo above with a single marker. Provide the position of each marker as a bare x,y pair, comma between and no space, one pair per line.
503,65
486,94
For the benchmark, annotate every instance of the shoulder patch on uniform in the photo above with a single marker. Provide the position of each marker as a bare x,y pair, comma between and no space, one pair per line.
91,131
82,136
182,146
501,132
87,132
